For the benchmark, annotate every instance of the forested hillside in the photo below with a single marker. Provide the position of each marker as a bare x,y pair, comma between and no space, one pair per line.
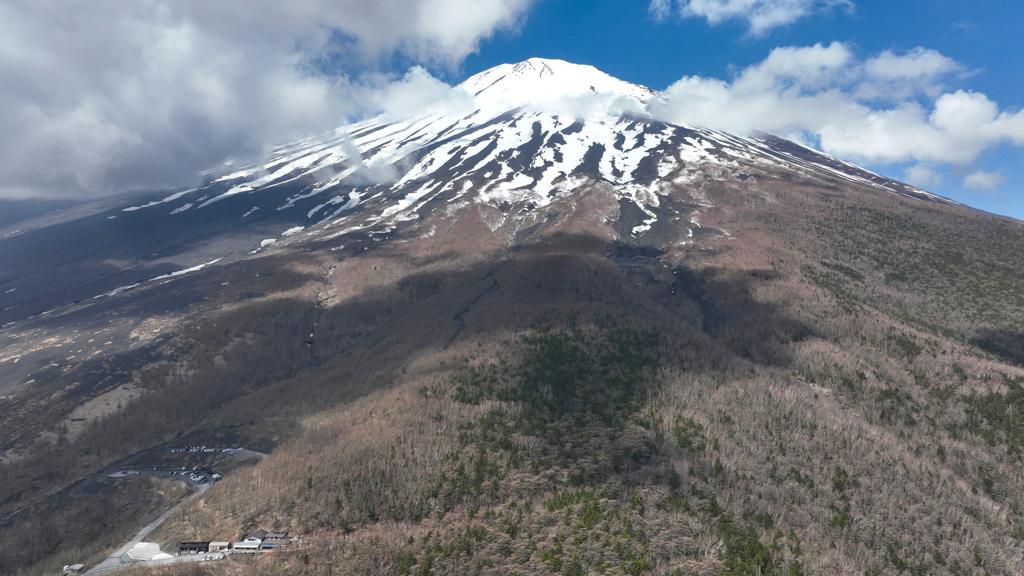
794,397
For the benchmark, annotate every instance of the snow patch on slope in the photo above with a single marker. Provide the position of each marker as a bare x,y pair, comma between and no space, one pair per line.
170,198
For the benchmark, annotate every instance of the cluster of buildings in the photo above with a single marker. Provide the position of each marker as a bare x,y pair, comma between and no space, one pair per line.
259,541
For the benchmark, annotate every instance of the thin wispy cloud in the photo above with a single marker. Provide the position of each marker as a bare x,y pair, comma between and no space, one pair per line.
761,16
984,181
922,176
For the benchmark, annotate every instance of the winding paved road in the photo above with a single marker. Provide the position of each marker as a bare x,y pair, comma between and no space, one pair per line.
111,563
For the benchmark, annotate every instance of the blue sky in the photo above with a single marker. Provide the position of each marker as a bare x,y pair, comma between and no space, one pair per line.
623,38
105,97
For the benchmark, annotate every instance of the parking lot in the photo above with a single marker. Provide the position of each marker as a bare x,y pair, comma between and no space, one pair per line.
191,476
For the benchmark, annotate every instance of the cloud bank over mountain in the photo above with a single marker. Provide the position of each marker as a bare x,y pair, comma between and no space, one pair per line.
107,96
888,108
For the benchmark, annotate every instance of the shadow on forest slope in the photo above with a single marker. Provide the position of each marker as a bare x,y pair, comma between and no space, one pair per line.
1007,346
262,366
365,342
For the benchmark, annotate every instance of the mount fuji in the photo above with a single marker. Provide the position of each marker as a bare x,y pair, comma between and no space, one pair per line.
531,327
506,145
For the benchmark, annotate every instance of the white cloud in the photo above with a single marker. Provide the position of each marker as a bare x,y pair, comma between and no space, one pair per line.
983,180
886,109
917,63
922,176
760,15
106,96
896,76
417,90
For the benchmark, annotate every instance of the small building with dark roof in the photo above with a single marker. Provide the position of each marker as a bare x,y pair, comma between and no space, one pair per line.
193,547
252,543
271,544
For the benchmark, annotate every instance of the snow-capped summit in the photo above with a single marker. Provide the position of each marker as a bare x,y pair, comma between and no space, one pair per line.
517,133
544,83
516,138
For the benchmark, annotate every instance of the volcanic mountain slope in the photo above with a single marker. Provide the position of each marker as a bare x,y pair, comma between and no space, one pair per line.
513,136
533,329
